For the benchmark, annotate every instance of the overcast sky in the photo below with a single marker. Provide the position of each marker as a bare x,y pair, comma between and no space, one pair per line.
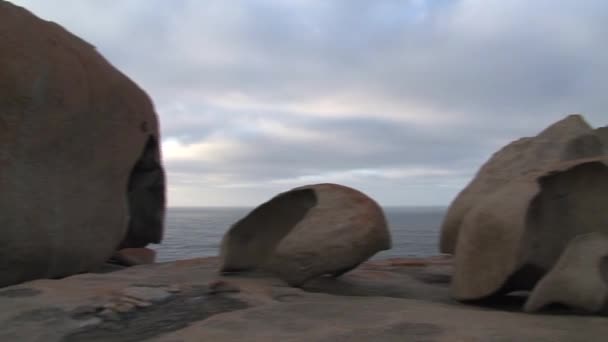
403,100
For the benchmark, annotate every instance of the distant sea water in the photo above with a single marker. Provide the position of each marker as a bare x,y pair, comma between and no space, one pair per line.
197,232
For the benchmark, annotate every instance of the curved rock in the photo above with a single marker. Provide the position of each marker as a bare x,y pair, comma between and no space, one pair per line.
307,232
516,236
521,157
576,280
80,169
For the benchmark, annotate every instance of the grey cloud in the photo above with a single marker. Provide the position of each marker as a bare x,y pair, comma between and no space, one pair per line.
357,144
533,64
484,72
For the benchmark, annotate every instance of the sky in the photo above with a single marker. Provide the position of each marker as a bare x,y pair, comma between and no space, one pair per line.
403,100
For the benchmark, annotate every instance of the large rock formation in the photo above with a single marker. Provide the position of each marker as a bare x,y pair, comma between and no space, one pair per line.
570,138
526,215
508,242
80,171
307,232
535,211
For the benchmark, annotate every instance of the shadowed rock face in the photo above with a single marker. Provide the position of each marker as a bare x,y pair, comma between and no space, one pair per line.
570,203
307,232
584,146
254,238
79,159
568,139
145,193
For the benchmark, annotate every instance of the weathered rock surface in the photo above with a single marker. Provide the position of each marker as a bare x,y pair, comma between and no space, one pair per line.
80,171
568,139
306,233
517,235
578,279
384,300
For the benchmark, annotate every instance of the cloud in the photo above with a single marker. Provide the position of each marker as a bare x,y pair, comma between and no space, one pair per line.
402,99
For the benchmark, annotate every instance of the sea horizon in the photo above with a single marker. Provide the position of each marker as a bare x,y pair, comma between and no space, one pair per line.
196,231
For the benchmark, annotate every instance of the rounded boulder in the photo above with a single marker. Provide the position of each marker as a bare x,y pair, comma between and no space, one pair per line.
307,232
80,168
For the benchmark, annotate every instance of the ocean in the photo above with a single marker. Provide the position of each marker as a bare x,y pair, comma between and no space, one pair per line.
197,232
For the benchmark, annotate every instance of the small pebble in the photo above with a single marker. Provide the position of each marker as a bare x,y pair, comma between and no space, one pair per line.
84,310
221,286
89,322
147,294
135,301
143,304
109,305
174,289
124,307
109,315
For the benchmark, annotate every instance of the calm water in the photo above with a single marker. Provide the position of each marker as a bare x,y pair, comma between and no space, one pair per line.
197,232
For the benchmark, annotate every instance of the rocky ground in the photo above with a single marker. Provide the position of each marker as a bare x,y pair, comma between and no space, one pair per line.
387,300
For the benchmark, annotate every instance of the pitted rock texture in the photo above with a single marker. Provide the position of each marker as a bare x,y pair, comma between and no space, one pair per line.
80,169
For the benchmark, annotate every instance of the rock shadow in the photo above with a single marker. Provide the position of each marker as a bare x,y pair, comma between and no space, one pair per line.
254,238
